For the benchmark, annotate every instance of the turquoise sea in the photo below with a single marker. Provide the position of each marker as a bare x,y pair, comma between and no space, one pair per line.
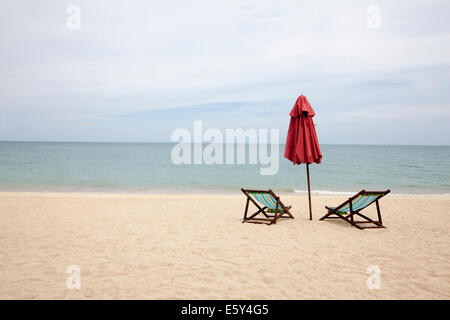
147,168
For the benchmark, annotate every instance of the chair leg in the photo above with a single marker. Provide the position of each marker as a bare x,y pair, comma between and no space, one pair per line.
286,211
256,213
327,215
333,213
276,215
379,212
368,220
351,213
349,219
246,210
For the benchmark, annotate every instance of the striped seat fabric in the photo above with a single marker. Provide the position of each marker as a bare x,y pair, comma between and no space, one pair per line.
266,199
359,202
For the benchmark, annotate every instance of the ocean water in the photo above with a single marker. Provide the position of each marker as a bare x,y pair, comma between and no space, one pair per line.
147,168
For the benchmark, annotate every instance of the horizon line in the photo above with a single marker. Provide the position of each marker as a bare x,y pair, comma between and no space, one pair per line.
174,142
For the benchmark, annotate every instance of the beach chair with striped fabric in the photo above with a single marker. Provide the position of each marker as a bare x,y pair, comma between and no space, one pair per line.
352,207
268,204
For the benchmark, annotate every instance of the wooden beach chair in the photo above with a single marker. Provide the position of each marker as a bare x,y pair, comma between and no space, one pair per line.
268,204
352,207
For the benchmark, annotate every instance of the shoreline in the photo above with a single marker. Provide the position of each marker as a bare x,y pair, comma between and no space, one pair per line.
206,193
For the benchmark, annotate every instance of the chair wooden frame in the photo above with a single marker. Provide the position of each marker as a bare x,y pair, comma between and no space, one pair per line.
281,211
349,216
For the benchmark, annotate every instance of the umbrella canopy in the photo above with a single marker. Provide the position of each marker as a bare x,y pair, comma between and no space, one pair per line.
302,145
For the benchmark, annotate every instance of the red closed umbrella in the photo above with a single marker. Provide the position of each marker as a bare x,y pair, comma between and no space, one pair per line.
302,145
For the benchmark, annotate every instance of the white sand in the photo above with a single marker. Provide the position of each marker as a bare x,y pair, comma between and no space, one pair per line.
195,247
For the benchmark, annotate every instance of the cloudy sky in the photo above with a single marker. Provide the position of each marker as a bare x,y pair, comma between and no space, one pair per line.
137,70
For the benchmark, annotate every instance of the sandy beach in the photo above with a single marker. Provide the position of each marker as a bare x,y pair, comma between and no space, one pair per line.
140,246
